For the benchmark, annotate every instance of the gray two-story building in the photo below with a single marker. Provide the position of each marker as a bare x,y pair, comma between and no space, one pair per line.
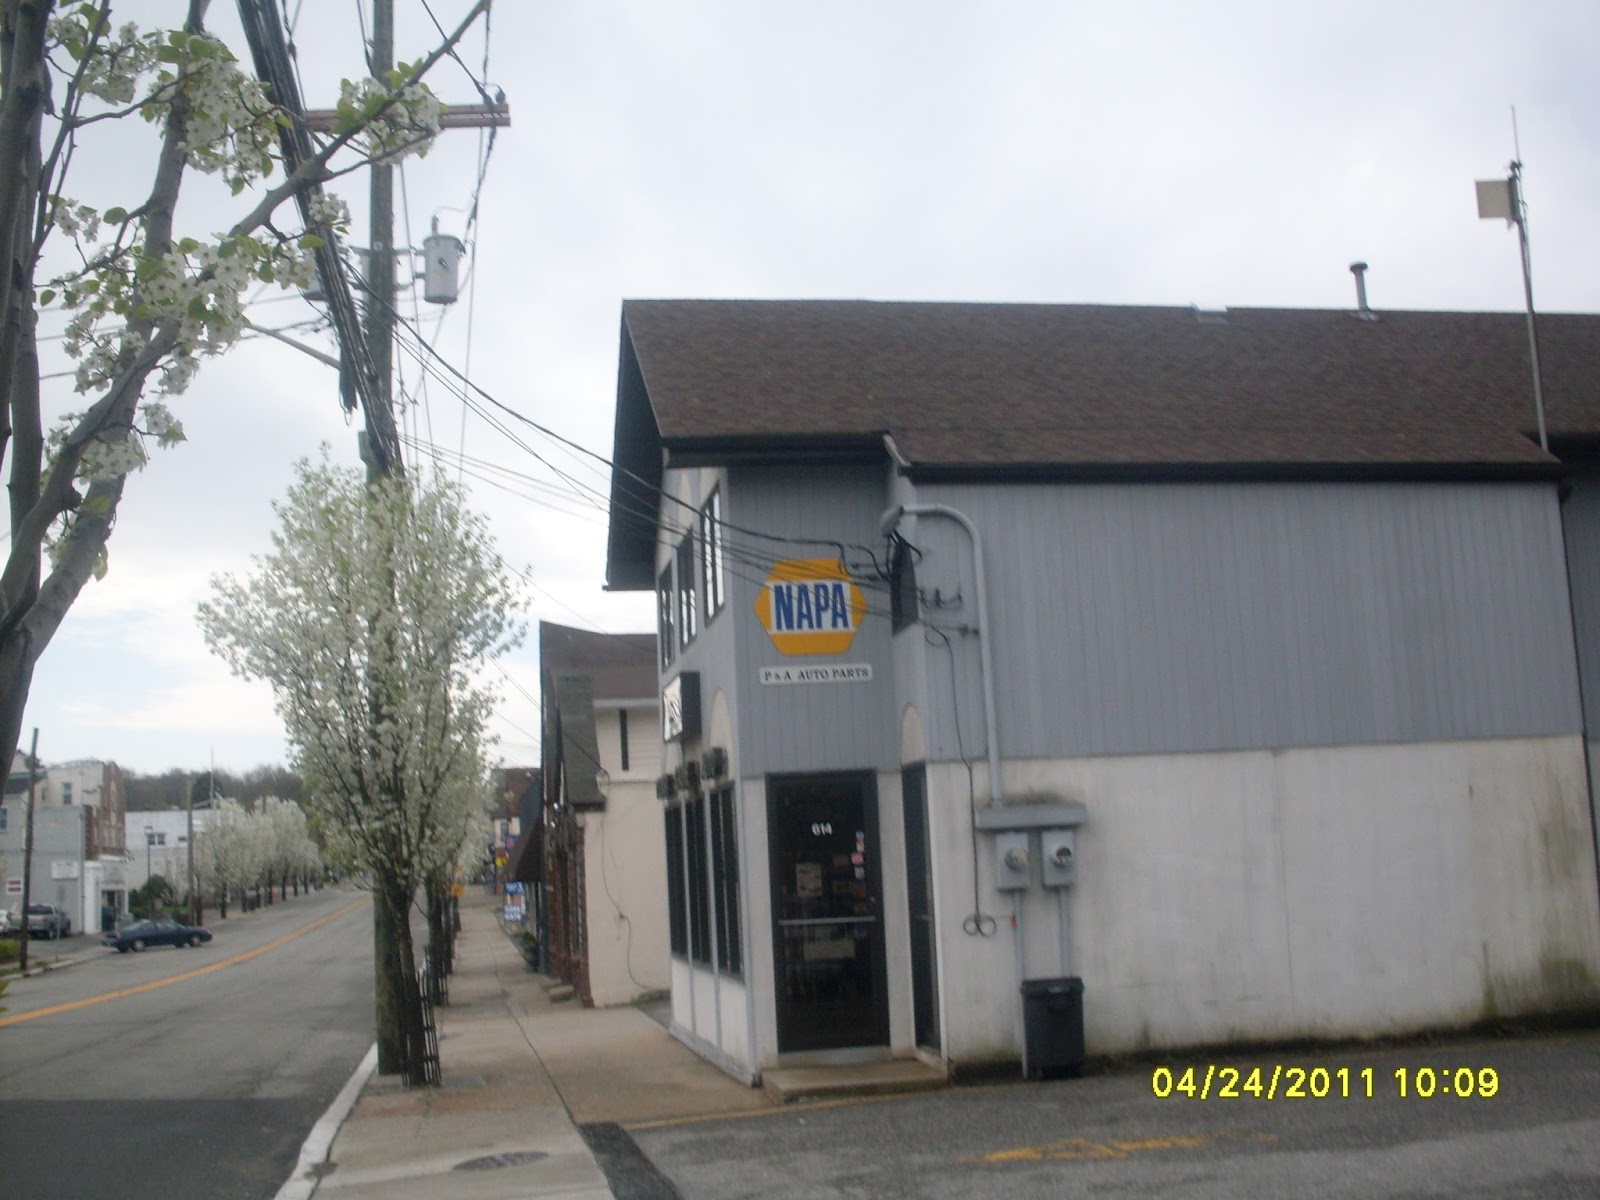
1233,663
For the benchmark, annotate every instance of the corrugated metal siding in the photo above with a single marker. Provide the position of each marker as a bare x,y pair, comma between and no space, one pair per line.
1171,617
823,726
1581,515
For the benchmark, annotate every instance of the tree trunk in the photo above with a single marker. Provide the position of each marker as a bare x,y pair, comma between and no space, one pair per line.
439,940
386,954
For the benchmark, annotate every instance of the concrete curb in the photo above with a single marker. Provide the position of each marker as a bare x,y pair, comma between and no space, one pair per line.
302,1184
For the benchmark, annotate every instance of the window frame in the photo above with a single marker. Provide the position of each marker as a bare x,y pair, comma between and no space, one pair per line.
699,870
666,610
688,602
714,596
677,912
727,916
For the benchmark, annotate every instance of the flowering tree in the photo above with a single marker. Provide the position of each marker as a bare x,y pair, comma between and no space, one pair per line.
226,853
291,853
145,302
372,618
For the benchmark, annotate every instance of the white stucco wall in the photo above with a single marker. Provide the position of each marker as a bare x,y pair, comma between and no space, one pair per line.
626,883
625,869
1263,895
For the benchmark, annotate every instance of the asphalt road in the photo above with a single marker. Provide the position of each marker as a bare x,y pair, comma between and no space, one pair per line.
1537,1137
185,1074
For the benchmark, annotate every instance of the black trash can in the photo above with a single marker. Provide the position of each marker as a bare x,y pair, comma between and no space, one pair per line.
1052,1021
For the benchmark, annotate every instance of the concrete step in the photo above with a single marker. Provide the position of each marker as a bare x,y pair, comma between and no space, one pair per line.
785,1085
557,992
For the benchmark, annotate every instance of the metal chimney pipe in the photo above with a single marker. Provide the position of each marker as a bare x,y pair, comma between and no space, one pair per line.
1359,270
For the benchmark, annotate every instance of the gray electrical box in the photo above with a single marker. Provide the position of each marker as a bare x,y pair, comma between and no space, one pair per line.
441,255
1058,858
1011,871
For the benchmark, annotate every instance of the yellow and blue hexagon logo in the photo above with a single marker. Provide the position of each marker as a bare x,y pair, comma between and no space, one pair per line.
811,606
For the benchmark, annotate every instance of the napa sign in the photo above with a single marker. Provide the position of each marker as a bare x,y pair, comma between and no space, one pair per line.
811,606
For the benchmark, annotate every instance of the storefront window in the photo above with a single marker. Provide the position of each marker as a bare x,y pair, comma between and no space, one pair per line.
677,923
699,895
725,880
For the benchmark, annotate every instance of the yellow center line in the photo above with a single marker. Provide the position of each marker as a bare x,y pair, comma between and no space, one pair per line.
1082,1149
56,1009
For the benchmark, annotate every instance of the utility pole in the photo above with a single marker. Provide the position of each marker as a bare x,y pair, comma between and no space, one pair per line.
367,353
380,349
380,263
27,852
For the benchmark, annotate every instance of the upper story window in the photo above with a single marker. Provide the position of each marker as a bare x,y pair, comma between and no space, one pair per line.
711,554
666,627
66,793
688,606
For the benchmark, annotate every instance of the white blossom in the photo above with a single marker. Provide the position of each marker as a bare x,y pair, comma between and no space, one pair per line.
371,618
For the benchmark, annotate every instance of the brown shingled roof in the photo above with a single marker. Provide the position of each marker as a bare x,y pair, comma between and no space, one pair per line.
622,666
999,385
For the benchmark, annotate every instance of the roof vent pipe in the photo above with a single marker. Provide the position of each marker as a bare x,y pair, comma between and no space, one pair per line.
1359,270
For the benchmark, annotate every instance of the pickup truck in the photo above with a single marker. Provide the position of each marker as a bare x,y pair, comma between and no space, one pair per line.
48,921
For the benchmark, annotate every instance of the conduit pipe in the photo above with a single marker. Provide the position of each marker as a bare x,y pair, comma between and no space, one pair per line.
888,522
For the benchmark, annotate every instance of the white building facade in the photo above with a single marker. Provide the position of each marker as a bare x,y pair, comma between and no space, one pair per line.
945,589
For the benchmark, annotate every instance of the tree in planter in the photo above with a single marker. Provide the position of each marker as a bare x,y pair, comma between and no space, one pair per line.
372,618
145,302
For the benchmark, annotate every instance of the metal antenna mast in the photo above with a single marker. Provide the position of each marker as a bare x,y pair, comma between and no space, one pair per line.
1503,198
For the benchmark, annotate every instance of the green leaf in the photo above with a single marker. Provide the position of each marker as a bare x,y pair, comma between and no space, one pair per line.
310,241
187,245
46,296
114,216
167,54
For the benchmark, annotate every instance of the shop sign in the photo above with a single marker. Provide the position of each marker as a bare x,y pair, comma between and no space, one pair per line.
810,606
827,673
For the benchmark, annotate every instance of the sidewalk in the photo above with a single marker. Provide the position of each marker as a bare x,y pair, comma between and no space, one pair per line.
521,1074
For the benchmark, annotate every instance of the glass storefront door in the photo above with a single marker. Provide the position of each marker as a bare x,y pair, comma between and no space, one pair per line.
828,943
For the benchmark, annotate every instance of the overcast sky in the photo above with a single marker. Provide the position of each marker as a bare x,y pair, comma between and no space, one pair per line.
1226,154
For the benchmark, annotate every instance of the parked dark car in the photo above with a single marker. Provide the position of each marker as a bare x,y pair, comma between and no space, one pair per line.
159,931
46,920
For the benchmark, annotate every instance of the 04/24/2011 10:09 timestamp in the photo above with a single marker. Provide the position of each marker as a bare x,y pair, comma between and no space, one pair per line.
1280,1082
